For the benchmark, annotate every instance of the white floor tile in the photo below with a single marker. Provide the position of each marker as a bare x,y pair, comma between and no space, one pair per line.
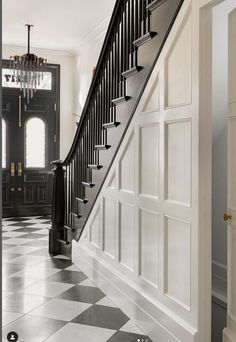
16,241
106,302
8,223
22,249
40,225
6,293
37,273
8,317
78,332
87,282
60,309
12,234
10,228
72,268
29,260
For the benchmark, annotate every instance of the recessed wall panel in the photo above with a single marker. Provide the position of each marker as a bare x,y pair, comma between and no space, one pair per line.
178,162
127,237
110,226
95,229
127,167
177,261
149,232
149,160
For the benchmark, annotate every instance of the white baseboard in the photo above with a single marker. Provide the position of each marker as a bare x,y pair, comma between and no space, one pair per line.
154,321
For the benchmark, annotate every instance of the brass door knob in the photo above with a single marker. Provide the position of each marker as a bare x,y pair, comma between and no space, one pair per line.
227,217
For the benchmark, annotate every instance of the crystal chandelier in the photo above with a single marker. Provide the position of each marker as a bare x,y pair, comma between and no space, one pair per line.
28,70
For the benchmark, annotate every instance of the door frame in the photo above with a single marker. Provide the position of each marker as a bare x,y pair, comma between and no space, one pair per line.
53,96
205,127
55,92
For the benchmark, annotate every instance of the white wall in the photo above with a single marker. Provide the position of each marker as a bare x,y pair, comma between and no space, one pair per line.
67,89
86,61
219,184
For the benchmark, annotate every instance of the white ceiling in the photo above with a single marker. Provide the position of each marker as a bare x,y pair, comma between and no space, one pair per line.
58,24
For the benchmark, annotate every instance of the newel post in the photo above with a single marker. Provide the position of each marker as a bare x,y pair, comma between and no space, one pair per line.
58,208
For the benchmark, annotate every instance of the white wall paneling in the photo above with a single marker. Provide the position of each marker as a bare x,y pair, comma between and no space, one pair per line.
151,261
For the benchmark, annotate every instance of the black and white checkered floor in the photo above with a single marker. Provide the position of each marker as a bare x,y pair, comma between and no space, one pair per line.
50,299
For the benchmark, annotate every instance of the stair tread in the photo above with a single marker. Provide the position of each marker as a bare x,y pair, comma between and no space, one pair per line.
120,100
144,39
102,147
132,71
77,215
84,200
69,228
111,124
89,185
95,166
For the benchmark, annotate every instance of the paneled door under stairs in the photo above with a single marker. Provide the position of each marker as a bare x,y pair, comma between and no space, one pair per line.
30,139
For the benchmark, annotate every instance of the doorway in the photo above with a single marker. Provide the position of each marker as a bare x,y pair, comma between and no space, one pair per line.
30,142
220,96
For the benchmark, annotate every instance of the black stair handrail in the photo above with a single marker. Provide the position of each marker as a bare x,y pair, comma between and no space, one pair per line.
129,28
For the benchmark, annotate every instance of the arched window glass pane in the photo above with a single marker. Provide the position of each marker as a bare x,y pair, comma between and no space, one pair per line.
35,143
4,144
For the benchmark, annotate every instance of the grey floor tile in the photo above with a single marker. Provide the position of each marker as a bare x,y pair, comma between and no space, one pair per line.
121,336
86,294
70,277
57,263
102,316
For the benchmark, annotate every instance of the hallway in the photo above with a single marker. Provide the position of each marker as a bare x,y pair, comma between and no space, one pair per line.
49,299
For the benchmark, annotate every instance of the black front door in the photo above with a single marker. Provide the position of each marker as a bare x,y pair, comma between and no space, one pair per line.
30,140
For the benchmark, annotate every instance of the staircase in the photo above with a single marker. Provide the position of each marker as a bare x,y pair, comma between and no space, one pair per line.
136,34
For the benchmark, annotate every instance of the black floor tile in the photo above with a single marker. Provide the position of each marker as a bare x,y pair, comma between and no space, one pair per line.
103,317
57,263
86,294
23,224
27,230
70,277
121,336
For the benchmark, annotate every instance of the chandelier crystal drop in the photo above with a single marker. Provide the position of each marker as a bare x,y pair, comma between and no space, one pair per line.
28,70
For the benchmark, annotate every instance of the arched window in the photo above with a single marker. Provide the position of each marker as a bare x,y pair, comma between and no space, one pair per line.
4,144
35,145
